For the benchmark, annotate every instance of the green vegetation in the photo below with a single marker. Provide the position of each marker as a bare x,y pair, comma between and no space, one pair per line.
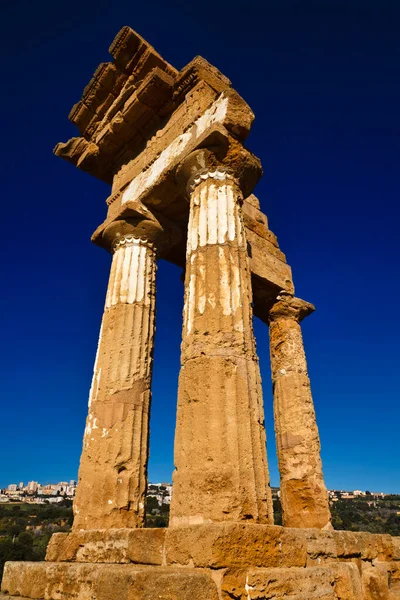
156,515
368,513
365,513
25,529
277,511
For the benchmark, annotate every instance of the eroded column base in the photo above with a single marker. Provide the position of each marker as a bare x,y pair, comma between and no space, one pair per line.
228,561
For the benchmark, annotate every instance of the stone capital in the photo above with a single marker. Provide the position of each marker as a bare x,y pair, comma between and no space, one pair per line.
121,231
221,164
287,306
156,230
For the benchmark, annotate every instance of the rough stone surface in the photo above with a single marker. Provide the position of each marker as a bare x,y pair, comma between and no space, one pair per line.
221,471
304,496
113,468
375,581
394,578
321,546
234,545
233,560
7,597
366,546
141,546
348,584
227,108
280,584
396,547
55,581
348,544
220,545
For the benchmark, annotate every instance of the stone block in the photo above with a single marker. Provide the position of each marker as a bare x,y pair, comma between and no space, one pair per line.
348,544
347,581
267,267
386,549
169,584
394,579
367,546
375,581
279,584
234,545
25,579
375,546
62,581
293,548
256,221
146,546
7,597
320,545
396,547
263,240
140,546
59,547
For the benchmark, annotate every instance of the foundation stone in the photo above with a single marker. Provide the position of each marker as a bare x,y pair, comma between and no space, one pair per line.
225,560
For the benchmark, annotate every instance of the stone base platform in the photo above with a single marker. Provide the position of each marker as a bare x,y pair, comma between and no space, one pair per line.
227,561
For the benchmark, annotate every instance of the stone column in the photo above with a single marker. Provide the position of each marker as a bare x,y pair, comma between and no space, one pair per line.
113,468
304,496
221,471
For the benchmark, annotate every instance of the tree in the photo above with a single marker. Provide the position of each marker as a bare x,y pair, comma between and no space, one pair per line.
151,504
277,511
25,540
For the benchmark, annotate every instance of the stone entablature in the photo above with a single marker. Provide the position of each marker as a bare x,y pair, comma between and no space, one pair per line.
135,116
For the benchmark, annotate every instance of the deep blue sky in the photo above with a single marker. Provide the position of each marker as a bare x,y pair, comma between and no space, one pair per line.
323,80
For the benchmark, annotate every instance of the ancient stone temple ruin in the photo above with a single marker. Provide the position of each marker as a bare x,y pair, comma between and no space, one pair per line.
171,145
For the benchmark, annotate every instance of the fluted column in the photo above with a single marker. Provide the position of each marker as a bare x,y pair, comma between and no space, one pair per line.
221,471
113,467
304,496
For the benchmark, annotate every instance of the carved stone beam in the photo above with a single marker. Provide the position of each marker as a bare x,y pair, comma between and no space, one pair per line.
216,126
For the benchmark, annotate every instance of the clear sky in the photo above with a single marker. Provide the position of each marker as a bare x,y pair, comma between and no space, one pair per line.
323,79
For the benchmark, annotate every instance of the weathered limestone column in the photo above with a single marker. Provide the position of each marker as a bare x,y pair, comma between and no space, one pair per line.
113,468
220,443
304,496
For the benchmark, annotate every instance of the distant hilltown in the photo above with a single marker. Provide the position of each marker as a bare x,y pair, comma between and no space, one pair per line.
36,493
